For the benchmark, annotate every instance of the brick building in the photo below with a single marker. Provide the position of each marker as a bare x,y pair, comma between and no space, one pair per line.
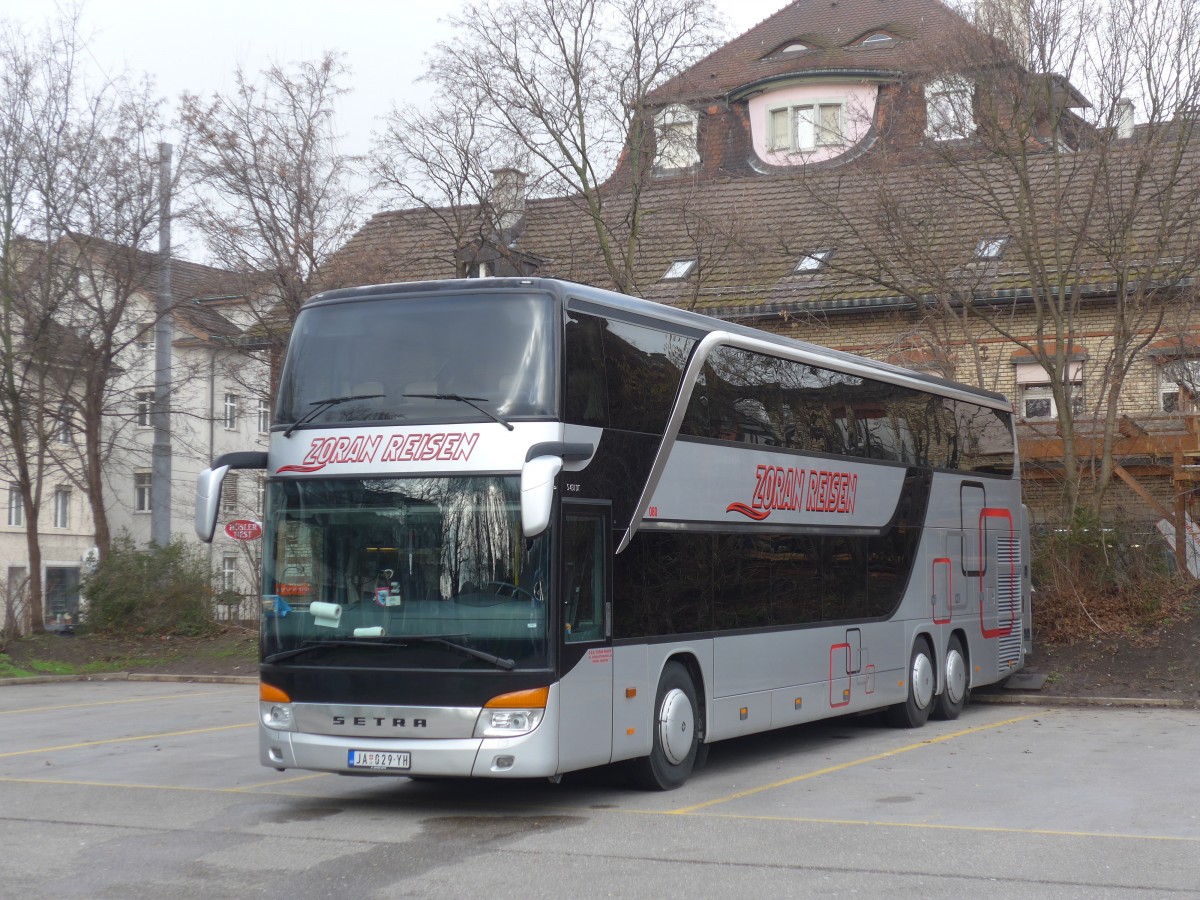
893,179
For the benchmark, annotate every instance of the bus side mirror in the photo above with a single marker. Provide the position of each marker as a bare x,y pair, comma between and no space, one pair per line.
208,501
208,487
537,493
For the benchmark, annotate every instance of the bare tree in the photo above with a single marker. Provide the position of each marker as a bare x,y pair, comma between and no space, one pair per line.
442,161
273,193
1031,200
571,80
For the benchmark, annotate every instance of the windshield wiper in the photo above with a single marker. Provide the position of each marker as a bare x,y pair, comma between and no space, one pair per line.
319,406
498,661
470,401
309,646
397,641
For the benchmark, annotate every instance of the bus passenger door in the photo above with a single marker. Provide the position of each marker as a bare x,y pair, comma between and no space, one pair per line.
585,650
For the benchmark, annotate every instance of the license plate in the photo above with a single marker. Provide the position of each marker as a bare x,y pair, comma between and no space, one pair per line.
379,759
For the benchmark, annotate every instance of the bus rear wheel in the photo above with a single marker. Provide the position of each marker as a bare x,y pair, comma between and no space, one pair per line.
922,682
951,701
674,734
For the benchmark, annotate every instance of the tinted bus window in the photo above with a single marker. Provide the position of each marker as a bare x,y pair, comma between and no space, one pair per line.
753,398
620,375
495,347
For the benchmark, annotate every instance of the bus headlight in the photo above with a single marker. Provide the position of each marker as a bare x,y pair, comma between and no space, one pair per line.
511,715
507,722
277,716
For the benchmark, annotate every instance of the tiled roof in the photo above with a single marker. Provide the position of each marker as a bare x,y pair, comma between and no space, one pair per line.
832,29
749,233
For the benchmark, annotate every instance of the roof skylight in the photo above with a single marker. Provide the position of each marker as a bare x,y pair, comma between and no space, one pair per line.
812,262
679,269
991,247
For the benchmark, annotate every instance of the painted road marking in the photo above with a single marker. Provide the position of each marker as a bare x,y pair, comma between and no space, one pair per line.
123,740
828,770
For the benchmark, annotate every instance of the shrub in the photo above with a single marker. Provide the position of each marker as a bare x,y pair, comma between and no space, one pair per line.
1094,577
157,591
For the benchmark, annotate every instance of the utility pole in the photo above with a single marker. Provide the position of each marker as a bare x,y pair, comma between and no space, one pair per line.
160,472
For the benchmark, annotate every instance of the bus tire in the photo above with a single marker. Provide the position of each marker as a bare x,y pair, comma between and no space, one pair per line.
954,697
674,735
922,682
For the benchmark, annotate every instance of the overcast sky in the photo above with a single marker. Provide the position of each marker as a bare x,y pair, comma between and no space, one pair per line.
196,47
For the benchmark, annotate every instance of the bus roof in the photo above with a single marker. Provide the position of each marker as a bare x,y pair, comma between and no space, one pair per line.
692,322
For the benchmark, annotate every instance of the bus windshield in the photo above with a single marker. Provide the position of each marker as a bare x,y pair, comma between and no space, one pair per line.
428,573
415,359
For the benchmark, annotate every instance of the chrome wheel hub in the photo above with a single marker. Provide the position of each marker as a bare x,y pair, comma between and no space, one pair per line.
676,724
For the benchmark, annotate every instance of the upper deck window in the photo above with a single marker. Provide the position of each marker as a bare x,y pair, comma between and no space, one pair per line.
494,347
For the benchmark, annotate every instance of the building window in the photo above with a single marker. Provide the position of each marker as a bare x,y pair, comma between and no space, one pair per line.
1179,385
679,269
231,411
141,491
675,136
260,496
229,494
1037,401
990,248
228,572
264,416
812,262
878,39
62,426
145,336
949,113
16,508
62,507
801,128
144,408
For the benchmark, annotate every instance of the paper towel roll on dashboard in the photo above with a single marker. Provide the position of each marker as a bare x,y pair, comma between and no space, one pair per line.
325,615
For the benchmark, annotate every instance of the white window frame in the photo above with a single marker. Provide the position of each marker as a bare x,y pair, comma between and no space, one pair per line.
230,412
264,416
145,337
16,507
949,108
805,133
62,507
1173,376
676,138
1034,384
229,493
228,572
991,247
812,262
878,39
62,425
260,495
143,405
679,269
143,487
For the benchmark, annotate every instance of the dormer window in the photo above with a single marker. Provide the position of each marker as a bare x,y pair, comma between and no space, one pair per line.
812,262
949,111
990,248
878,39
796,47
679,269
799,128
675,135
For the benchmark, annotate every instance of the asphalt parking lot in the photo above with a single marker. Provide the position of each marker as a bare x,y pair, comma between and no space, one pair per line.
121,789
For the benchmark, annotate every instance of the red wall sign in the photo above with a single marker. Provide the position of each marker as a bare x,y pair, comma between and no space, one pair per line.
243,530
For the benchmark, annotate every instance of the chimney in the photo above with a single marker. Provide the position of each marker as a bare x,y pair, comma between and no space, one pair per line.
1124,118
508,198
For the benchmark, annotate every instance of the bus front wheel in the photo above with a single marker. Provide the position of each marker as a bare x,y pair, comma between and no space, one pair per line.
922,682
673,732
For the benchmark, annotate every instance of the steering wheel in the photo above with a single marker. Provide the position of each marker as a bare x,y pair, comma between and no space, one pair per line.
509,590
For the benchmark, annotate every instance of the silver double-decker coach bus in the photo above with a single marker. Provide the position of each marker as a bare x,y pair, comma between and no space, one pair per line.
519,527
